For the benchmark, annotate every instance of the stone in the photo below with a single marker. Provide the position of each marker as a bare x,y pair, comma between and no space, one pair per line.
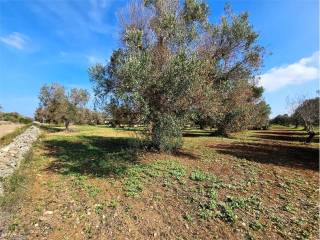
12,154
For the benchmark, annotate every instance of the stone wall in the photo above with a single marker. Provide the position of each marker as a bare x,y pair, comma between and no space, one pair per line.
12,154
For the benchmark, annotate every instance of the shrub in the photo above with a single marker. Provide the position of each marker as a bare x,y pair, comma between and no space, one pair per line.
15,117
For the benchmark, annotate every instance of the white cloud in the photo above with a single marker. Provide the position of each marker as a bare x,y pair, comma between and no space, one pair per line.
93,59
15,39
306,69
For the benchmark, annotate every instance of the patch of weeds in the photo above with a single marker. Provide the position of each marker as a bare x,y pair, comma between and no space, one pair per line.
207,210
205,213
88,231
138,175
177,171
114,203
198,175
133,182
79,181
303,234
288,208
152,172
226,213
256,225
254,202
279,222
98,208
50,184
227,209
92,190
212,199
300,181
208,155
39,208
229,186
285,186
13,226
133,187
236,203
188,217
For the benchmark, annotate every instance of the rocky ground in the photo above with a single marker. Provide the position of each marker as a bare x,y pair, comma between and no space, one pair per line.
12,154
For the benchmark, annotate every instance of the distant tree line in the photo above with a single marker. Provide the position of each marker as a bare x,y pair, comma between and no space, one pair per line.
305,112
14,117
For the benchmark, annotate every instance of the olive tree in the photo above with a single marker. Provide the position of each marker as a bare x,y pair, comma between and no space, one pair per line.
308,111
173,64
57,106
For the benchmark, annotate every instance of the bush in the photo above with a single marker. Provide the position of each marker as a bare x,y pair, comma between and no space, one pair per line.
15,117
166,134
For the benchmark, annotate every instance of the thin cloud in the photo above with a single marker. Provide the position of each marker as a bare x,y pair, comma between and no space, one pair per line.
93,59
15,39
77,18
306,69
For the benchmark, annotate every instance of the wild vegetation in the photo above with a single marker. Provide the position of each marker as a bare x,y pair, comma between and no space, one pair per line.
14,117
96,183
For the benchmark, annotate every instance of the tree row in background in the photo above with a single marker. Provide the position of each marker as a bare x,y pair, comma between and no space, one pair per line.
305,112
174,66
14,117
58,106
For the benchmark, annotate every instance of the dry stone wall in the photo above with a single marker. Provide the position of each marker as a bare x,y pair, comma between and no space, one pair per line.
12,154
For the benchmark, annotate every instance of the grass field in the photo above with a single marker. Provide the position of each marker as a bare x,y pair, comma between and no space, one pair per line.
95,183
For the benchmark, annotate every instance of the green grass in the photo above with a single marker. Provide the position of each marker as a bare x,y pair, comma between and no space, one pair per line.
16,185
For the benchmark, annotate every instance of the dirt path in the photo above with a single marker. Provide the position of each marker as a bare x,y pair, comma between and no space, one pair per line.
8,128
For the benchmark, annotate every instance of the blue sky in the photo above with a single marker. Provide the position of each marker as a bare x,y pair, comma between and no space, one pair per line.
45,41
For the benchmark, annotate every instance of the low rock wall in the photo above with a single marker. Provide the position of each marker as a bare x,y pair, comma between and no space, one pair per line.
12,154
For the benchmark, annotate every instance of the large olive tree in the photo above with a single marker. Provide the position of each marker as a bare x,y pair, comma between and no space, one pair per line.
173,63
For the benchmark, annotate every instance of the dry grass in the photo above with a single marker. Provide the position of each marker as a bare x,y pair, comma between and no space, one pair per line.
9,131
95,183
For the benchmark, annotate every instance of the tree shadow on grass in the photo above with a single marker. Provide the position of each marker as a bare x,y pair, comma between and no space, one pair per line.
198,133
92,155
285,132
300,157
51,129
289,138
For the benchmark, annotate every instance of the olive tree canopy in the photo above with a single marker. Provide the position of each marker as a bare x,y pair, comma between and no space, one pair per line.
173,63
